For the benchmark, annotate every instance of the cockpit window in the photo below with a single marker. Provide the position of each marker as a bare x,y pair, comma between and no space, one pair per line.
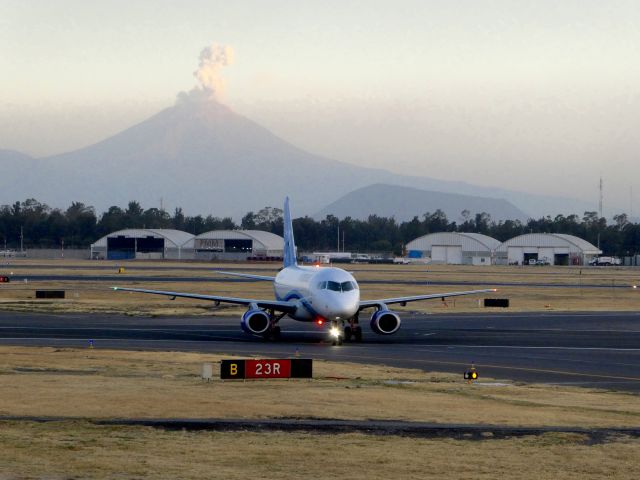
337,286
347,286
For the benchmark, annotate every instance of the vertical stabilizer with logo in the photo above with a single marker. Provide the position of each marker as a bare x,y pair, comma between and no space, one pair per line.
289,244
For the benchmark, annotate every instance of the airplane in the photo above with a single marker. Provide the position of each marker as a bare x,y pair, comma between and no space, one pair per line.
311,294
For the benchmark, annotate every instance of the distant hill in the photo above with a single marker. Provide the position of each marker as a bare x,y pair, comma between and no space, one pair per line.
403,203
14,170
202,156
13,156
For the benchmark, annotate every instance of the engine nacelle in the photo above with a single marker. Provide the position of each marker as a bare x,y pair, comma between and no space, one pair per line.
385,322
255,322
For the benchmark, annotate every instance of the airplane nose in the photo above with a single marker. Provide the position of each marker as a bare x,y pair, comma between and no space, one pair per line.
343,310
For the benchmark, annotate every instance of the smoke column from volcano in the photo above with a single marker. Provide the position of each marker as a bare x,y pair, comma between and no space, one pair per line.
209,74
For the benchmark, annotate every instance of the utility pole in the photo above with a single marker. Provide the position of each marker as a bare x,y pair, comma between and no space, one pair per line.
600,211
601,198
338,235
21,240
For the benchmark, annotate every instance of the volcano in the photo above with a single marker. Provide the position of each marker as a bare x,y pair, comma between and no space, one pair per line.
207,159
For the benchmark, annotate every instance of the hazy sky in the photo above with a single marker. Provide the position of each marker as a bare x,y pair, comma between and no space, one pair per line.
541,96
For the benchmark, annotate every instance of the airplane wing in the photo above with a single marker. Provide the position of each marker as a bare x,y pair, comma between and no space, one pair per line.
247,275
281,306
415,298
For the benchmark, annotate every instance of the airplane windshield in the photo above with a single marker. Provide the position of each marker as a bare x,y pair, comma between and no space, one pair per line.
337,286
348,286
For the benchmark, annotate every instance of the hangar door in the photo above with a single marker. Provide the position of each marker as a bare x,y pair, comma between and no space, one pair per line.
546,254
449,254
515,255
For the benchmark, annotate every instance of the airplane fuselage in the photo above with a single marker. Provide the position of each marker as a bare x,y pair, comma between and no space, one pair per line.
328,294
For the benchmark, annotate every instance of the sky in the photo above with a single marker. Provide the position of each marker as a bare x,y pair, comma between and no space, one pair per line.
541,96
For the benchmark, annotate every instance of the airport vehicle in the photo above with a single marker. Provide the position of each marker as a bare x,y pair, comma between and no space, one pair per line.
361,258
331,257
327,295
605,261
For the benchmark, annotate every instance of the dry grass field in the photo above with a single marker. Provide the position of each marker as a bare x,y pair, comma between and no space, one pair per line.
575,289
80,450
111,383
94,384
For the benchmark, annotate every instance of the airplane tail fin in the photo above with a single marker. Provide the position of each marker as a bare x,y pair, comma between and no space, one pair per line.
289,244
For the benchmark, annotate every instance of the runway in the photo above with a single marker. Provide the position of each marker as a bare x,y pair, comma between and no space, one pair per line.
584,349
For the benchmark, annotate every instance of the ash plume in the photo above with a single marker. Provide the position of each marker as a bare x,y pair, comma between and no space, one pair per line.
209,74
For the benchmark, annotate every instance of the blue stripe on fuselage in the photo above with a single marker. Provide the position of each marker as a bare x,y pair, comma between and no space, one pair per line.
295,295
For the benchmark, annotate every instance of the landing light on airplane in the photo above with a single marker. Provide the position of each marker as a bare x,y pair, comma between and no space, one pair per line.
334,332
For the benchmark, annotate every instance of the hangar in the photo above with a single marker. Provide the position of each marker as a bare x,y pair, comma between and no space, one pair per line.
542,248
235,245
141,244
454,248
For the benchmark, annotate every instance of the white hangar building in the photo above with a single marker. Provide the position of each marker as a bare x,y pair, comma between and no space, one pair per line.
235,245
554,248
141,243
454,248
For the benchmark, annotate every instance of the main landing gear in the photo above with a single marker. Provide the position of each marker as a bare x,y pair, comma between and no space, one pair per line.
273,333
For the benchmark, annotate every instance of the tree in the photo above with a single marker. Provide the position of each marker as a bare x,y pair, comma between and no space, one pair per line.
112,220
81,220
248,221
621,220
178,220
133,215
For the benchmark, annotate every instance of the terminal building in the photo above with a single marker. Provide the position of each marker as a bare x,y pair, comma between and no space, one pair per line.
235,245
546,248
453,248
141,243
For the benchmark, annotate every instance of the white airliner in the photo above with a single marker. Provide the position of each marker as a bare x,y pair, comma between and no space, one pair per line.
312,294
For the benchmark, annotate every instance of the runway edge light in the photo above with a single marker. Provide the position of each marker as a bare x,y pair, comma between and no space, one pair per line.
471,374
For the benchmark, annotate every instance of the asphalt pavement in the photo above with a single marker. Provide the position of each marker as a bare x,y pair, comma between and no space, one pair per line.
584,349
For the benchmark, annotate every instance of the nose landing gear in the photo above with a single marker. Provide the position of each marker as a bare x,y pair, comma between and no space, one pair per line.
336,334
351,331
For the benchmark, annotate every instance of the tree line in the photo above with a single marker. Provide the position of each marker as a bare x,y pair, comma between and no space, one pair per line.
78,226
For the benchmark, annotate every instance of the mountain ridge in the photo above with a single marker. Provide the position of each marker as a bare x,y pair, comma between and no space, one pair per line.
205,158
404,203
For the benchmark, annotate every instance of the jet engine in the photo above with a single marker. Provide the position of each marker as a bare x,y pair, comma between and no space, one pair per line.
385,322
255,322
